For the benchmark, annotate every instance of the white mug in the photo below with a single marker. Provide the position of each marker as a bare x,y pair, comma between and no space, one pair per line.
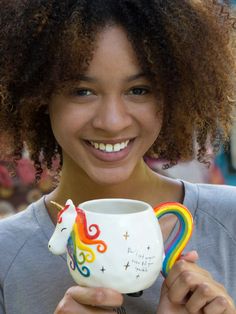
117,243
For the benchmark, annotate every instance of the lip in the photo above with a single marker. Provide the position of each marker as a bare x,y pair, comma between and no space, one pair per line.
111,141
112,156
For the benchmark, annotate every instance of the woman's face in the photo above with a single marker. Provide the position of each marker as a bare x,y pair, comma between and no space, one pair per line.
107,121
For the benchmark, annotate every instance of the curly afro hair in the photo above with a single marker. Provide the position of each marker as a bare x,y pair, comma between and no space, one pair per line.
184,47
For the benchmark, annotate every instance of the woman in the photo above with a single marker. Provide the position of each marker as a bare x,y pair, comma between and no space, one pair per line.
101,84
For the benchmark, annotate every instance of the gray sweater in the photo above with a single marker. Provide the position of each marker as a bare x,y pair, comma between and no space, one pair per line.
32,280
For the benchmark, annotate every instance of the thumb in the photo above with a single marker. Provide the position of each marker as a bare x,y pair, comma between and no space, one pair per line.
191,256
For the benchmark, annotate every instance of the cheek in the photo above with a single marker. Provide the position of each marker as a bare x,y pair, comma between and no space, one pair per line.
155,128
157,119
69,118
152,120
63,123
63,133
62,113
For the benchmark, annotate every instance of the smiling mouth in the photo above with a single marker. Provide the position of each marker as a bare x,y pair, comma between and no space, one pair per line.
108,147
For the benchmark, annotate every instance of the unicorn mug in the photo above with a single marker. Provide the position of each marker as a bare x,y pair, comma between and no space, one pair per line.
117,243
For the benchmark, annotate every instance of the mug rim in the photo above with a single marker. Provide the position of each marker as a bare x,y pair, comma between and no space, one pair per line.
145,206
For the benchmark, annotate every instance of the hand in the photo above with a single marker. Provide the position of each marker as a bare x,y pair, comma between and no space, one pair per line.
85,300
165,305
190,289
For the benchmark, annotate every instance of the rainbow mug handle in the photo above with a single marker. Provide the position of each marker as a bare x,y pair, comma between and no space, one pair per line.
175,248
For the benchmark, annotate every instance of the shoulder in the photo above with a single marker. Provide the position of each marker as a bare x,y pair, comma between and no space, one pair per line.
212,197
215,204
217,197
14,233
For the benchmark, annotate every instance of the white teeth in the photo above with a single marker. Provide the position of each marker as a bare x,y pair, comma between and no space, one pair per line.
102,146
117,147
122,145
109,148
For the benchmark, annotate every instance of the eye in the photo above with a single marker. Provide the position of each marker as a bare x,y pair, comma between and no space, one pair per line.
82,92
63,229
139,91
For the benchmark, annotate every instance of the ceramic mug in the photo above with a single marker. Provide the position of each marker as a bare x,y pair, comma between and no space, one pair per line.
117,243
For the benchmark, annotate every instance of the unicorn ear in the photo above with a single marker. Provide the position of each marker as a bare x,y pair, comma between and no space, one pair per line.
71,206
69,202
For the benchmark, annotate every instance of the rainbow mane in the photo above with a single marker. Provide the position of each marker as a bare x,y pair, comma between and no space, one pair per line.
79,243
183,235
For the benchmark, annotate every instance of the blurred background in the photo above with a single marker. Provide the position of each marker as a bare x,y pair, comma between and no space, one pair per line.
18,187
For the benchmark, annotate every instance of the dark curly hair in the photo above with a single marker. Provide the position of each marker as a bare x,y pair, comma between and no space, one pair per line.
183,46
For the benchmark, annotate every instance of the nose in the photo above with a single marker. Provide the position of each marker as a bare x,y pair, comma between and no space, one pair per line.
112,115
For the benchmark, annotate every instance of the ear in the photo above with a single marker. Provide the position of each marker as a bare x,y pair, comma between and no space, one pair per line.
71,205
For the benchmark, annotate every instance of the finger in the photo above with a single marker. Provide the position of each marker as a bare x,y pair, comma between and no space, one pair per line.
183,287
202,295
96,296
99,310
192,283
67,305
218,306
191,256
183,266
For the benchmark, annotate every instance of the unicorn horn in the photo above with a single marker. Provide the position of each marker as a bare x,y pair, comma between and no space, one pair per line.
57,205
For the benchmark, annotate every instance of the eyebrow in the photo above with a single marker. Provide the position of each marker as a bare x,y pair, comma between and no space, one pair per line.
86,78
135,77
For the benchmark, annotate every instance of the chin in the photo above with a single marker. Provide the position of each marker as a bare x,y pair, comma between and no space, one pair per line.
109,178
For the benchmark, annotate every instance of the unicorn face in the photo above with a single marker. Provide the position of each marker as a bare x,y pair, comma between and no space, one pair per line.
66,217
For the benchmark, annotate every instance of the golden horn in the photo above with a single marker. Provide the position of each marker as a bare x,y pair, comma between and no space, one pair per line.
57,205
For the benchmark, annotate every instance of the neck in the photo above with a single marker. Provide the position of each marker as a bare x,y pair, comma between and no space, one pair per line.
143,184
81,188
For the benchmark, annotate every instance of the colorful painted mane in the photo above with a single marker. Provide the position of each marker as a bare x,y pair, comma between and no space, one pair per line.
73,235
